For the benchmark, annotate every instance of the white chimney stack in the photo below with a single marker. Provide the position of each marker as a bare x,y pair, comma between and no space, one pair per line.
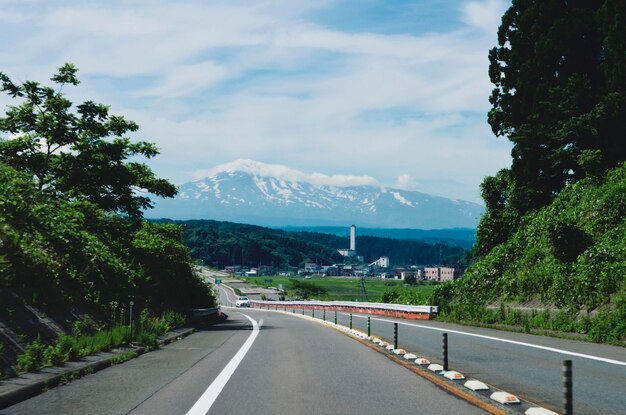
353,238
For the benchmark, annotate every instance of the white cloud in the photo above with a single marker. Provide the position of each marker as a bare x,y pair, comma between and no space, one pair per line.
212,82
288,174
406,182
188,79
484,15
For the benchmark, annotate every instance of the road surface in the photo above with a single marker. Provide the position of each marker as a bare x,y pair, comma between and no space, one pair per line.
526,365
291,366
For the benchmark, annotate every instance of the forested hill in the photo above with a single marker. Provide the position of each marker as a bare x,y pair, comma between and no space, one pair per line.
226,243
463,237
400,252
73,245
553,231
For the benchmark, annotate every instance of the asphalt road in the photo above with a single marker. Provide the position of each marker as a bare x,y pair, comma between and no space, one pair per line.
293,366
530,372
533,373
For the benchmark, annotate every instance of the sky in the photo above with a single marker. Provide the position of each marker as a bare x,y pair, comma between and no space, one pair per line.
387,92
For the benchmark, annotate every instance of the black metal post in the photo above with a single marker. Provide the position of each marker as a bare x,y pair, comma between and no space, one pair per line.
369,327
335,316
350,321
568,407
313,313
130,320
395,335
302,310
445,351
324,314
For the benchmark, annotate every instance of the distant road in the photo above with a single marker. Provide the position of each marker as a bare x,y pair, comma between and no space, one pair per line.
265,363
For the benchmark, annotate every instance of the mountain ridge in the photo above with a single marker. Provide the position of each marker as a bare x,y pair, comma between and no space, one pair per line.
293,198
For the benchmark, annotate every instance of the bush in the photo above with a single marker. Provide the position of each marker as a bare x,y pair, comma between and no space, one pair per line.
32,358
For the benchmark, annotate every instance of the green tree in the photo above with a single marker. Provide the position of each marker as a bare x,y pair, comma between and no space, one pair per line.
77,154
560,92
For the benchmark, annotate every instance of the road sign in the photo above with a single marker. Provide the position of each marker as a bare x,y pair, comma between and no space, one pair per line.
218,281
268,280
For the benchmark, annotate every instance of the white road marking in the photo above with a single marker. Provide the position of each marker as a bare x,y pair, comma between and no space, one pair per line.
482,336
203,405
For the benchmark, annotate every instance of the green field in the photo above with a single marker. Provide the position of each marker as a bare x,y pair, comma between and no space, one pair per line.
344,289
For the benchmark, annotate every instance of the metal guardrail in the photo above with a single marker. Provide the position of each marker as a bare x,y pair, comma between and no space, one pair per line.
423,309
205,312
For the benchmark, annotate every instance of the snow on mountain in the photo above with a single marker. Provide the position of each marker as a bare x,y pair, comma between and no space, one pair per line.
270,195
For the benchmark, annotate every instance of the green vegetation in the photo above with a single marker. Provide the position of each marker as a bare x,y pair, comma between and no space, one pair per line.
553,235
225,243
345,289
71,230
400,252
82,343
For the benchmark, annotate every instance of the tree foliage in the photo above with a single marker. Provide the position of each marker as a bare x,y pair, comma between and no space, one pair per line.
559,72
554,226
225,243
70,228
77,154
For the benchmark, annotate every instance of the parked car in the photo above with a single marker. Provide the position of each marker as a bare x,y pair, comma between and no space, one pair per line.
243,302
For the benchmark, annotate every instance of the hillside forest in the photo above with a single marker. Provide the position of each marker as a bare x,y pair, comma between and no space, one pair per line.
73,244
553,238
225,243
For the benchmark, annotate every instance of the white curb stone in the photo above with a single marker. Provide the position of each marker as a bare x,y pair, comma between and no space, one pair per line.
383,344
376,340
399,351
539,411
504,398
435,367
422,361
410,356
454,375
476,385
390,347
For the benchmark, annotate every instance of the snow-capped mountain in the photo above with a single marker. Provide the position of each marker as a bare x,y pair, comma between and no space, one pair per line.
250,192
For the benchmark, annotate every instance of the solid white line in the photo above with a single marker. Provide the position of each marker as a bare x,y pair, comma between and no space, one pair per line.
203,405
482,336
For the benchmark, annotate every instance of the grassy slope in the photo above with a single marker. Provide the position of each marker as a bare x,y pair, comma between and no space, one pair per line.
570,255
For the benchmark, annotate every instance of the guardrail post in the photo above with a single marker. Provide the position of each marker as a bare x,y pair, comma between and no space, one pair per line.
445,351
313,313
350,321
568,407
324,314
335,316
302,310
395,335
369,327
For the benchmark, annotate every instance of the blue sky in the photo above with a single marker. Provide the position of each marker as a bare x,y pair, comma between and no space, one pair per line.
391,92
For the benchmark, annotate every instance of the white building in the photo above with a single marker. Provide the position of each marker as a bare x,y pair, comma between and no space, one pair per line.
382,262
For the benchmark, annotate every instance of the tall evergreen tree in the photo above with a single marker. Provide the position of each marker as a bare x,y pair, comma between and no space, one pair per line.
559,72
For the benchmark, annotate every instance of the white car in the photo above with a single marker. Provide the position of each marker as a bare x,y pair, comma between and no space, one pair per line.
243,302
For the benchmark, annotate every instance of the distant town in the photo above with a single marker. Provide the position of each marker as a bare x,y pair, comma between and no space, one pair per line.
354,266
